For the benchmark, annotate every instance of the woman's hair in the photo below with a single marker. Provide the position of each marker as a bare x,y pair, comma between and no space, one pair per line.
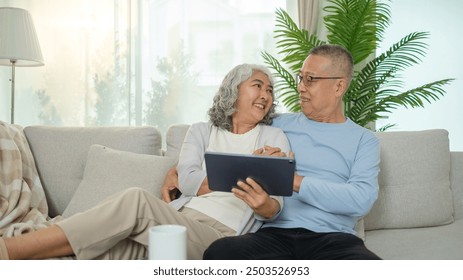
224,102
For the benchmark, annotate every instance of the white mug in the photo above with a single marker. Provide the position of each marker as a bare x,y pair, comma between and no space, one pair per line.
167,242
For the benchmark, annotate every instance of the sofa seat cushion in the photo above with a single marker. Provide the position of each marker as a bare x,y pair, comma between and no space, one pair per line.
60,154
414,181
430,243
109,171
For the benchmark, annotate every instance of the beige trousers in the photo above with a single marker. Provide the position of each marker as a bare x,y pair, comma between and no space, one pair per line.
117,228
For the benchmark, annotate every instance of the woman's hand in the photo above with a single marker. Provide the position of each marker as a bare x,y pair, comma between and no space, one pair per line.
269,151
204,188
169,189
258,199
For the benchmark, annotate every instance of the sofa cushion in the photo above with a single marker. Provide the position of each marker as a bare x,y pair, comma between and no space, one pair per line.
109,171
414,181
174,138
429,243
456,181
60,154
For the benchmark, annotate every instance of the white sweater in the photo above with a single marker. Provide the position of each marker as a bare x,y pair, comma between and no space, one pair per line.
191,170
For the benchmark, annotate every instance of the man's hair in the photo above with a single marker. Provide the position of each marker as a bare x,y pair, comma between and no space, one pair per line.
224,102
340,57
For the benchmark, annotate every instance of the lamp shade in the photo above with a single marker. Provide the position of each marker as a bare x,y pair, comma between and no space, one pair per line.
18,39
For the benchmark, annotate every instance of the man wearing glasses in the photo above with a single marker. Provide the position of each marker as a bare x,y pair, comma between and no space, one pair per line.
337,163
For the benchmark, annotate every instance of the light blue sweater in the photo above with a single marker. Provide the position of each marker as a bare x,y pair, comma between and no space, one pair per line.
340,165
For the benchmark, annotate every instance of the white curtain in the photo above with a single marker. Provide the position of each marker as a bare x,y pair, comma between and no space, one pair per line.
308,11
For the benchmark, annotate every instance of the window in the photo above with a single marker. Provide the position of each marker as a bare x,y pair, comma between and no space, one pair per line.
134,62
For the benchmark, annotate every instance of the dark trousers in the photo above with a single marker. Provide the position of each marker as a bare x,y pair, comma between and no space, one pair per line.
289,244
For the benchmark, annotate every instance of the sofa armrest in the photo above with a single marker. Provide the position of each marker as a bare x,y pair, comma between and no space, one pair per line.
456,182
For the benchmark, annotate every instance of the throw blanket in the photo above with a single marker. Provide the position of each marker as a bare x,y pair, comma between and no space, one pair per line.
23,206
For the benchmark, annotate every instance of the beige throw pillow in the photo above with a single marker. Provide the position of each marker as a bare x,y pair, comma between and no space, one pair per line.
60,154
414,181
108,171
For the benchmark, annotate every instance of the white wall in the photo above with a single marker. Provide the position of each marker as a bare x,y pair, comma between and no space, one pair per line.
443,60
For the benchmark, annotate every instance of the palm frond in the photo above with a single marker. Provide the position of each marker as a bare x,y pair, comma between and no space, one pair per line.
375,105
356,25
365,110
294,43
385,127
407,52
285,85
383,70
417,96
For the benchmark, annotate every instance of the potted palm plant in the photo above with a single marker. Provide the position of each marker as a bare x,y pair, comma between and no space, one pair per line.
376,88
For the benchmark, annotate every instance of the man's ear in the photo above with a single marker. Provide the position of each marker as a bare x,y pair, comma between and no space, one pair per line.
341,85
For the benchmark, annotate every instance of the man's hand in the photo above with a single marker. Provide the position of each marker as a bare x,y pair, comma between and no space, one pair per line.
297,182
297,178
169,189
258,199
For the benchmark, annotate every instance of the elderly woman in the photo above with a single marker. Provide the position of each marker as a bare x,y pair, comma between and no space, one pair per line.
117,228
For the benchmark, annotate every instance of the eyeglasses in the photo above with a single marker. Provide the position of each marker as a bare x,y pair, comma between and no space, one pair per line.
308,80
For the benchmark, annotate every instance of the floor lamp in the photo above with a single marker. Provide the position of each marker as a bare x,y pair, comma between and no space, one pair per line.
19,45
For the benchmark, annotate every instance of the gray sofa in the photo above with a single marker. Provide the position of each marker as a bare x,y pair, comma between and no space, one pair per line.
418,215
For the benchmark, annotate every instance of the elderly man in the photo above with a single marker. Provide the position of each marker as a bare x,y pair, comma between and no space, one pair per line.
337,163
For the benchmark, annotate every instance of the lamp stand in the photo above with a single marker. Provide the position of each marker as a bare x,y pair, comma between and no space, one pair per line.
13,64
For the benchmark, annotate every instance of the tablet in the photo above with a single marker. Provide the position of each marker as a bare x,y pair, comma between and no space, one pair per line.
274,174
